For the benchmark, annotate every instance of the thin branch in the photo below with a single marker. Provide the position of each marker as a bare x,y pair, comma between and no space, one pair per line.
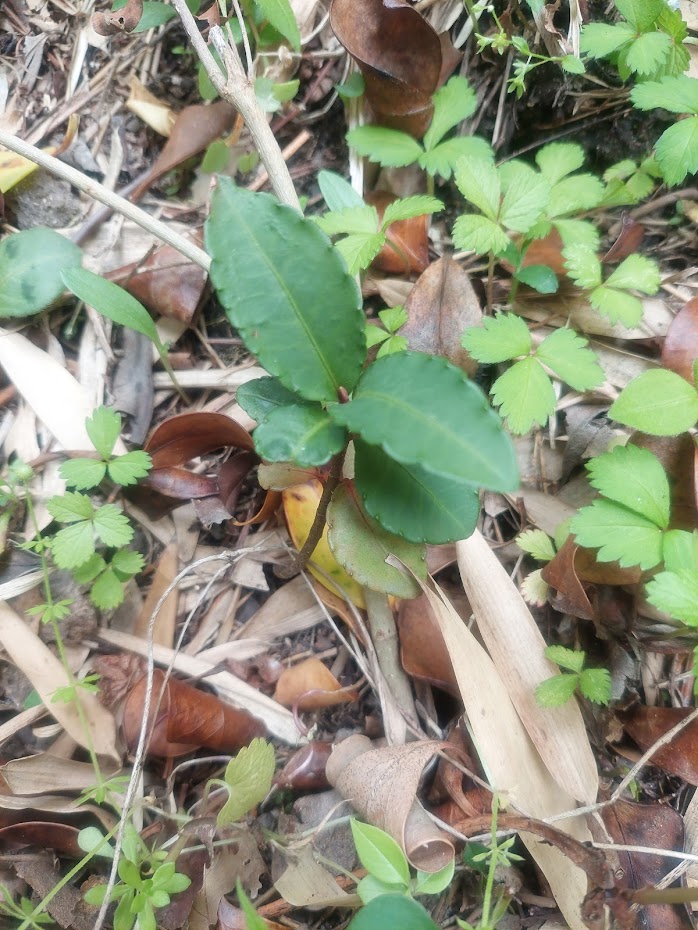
98,192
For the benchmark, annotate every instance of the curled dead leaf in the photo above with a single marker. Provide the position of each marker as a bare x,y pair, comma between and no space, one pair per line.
124,20
310,685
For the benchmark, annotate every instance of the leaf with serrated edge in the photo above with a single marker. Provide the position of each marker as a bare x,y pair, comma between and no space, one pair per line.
676,593
619,534
617,306
445,156
108,591
360,545
70,507
359,250
480,234
677,150
525,395
349,220
127,469
578,232
536,543
409,207
478,181
73,545
582,265
648,52
285,288
302,434
389,147
595,685
104,428
601,39
570,357
411,502
127,562
677,94
557,690
574,195
526,195
83,473
641,14
635,478
249,777
638,273
422,410
559,159
680,550
500,338
111,526
658,402
379,854
571,659
453,103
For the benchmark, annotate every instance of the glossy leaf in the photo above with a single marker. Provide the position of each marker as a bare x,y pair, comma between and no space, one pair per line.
303,434
423,411
31,263
379,854
286,290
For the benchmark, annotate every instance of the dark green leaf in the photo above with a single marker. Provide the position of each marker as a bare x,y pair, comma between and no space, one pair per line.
539,277
260,397
282,18
31,263
392,910
354,86
303,434
338,193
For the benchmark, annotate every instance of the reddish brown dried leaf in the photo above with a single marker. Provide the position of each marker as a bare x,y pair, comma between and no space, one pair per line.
561,575
407,248
60,837
399,55
680,349
195,128
647,724
182,484
181,438
186,719
629,240
422,649
440,306
124,20
305,769
547,251
310,685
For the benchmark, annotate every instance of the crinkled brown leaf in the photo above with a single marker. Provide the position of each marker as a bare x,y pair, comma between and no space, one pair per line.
124,20
647,724
310,685
399,55
680,349
439,308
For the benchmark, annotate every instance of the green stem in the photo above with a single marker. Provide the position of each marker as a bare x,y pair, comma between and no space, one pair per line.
430,184
489,884
490,282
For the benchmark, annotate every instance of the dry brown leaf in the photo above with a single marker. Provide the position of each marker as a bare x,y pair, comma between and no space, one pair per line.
154,112
46,673
382,785
45,772
163,631
646,725
423,652
305,883
680,349
310,685
517,647
407,248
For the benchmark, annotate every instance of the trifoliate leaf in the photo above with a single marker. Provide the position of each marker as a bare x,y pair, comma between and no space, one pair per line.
359,250
575,194
578,232
598,40
444,157
635,478
478,181
453,103
571,659
393,318
395,343
107,592
658,402
338,193
648,52
526,195
73,545
409,207
388,147
637,273
249,777
536,543
480,234
559,159
362,219
572,64
112,527
570,357
103,428
677,94
556,691
595,685
83,474
677,150
676,593
375,335
524,395
127,469
127,563
70,507
618,306
582,266
619,534
500,338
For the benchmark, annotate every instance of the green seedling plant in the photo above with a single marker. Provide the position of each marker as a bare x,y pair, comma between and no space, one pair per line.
386,336
22,910
248,779
363,232
525,394
676,150
629,182
391,148
592,683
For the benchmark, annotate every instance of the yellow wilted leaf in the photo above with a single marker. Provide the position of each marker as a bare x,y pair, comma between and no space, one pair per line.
15,168
152,111
300,504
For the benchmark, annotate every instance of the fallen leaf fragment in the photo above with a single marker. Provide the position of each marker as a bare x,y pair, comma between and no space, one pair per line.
646,725
154,112
680,349
305,769
407,248
310,685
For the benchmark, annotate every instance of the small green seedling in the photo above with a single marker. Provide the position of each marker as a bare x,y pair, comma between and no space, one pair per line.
387,336
525,393
629,182
676,149
248,779
593,683
453,103
22,911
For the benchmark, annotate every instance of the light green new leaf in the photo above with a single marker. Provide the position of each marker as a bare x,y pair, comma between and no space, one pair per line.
575,194
338,193
618,306
478,181
619,534
539,277
363,219
108,591
389,147
559,159
526,195
375,335
677,94
635,478
111,526
578,232
571,659
648,52
379,854
70,507
129,468
572,64
595,685
83,473
249,778
282,18
409,207
89,570
537,544
445,156
302,434
434,882
582,265
680,550
524,395
677,150
393,318
638,273
598,40
658,402
479,233
676,593
371,887
104,428
453,103
31,262
285,288
422,410
358,250
570,357
73,545
641,14
500,338
556,691
127,563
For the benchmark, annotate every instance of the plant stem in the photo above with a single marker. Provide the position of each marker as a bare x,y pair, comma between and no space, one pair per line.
98,192
490,282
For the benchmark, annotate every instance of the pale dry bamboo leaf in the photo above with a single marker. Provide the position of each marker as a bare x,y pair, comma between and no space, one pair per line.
543,510
509,758
305,883
289,610
46,673
57,804
45,772
382,784
154,112
577,312
164,630
222,379
517,648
